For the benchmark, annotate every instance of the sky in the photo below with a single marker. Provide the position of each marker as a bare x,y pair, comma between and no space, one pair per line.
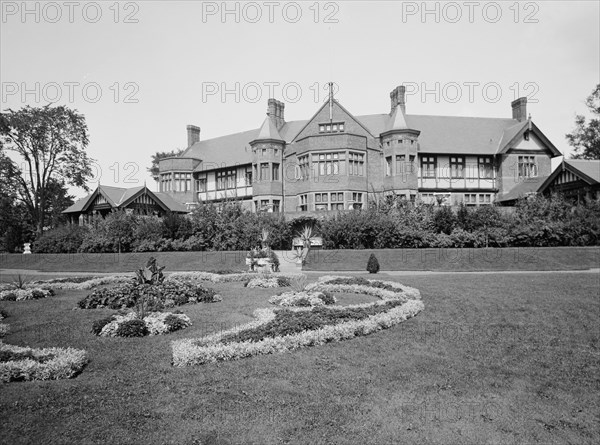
142,71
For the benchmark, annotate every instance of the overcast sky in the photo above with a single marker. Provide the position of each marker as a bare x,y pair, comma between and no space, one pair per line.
142,71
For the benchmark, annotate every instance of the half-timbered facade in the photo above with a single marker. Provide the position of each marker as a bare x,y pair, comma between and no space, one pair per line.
338,161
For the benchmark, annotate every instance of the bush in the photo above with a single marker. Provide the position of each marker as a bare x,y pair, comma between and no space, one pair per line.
64,239
373,264
99,324
174,323
132,328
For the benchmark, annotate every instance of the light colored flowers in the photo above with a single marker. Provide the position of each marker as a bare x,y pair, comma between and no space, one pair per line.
263,282
291,299
40,364
26,294
156,323
206,350
400,291
227,278
88,284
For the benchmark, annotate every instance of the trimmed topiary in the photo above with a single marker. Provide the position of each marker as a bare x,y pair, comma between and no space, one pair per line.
373,264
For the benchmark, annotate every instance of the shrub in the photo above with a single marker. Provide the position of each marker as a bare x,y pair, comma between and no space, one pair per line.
174,323
99,324
132,328
373,264
283,282
64,239
3,314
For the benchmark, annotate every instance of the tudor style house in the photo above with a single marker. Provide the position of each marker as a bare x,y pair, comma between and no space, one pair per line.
338,161
137,200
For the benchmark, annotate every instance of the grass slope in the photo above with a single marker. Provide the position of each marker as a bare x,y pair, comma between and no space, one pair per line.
492,359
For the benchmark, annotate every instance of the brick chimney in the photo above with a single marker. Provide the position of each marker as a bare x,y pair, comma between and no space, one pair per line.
397,97
275,111
193,134
519,109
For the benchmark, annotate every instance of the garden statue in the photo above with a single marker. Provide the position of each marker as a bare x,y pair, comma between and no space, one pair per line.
26,248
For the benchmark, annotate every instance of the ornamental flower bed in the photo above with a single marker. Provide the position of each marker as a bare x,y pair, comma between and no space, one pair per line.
303,299
159,296
286,329
129,325
22,363
82,283
268,282
34,293
375,288
225,278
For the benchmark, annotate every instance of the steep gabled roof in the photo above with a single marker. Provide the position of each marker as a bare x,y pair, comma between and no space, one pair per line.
119,197
588,170
513,134
523,188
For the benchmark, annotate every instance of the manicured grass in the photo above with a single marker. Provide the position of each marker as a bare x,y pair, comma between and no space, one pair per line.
493,358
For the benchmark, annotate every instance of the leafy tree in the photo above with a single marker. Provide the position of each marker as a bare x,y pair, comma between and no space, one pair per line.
51,143
156,157
585,138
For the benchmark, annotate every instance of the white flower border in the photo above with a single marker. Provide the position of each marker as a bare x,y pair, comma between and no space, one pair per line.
290,299
155,322
208,349
186,352
25,294
88,284
227,278
66,364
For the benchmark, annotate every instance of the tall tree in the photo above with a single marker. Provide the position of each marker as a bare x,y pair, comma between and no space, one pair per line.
51,142
156,157
585,138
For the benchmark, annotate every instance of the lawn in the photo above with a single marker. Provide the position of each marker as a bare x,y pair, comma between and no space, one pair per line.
493,358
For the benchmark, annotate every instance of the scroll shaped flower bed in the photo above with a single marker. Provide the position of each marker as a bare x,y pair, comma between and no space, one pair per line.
130,325
303,299
22,363
81,283
286,329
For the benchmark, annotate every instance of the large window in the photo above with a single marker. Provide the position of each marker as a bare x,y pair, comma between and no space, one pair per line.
165,182
325,164
304,167
485,167
356,164
276,205
400,164
321,201
275,170
303,203
388,166
428,166
182,182
358,200
264,172
226,179
527,167
201,184
337,201
248,177
457,166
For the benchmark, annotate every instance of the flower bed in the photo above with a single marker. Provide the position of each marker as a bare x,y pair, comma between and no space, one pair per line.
129,325
82,283
33,293
158,297
22,363
268,282
303,299
225,278
282,330
377,288
268,334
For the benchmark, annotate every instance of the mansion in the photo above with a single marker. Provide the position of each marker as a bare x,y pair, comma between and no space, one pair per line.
338,161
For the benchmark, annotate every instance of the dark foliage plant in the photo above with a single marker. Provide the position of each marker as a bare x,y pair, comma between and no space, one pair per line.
10,356
99,324
132,328
373,264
